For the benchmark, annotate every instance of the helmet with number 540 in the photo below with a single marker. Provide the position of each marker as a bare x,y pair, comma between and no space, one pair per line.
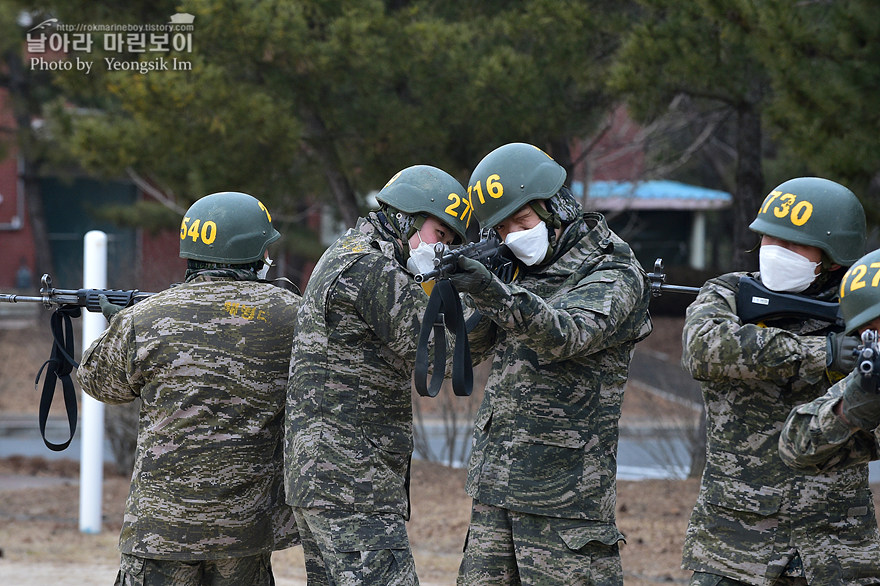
227,227
510,177
815,212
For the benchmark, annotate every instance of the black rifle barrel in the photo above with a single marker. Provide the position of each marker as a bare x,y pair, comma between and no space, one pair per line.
659,285
21,299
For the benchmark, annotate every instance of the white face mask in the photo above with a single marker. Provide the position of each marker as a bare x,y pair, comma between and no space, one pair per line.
530,246
267,264
785,270
421,258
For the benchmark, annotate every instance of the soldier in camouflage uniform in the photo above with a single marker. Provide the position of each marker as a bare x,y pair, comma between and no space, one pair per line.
839,430
209,360
348,440
560,336
757,521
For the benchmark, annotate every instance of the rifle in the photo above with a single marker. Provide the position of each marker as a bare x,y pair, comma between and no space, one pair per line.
489,250
755,302
444,312
68,303
70,298
868,361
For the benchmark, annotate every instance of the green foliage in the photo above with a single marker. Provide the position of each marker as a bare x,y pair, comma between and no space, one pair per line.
698,48
824,61
149,215
327,99
288,100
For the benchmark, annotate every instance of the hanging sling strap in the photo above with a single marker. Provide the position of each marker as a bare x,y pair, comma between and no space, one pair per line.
444,312
58,368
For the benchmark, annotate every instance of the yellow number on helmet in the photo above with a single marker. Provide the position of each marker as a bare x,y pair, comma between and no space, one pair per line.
262,207
494,186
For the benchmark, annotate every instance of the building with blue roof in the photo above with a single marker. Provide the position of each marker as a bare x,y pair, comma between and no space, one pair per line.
659,218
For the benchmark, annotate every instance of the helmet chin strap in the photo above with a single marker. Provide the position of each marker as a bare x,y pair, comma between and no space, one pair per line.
552,220
394,221
418,222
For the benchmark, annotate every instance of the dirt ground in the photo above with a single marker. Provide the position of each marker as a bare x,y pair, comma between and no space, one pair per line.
40,543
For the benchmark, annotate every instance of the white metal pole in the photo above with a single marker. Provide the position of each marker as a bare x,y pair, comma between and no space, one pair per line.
697,258
91,467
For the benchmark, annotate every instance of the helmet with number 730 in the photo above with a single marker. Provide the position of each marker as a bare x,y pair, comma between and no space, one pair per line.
227,227
815,212
510,177
860,292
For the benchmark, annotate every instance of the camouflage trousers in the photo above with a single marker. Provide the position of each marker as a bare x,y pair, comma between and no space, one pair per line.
342,548
506,547
253,570
705,579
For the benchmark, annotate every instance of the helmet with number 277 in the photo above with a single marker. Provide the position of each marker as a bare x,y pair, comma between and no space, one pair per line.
227,227
860,292
815,212
510,177
423,189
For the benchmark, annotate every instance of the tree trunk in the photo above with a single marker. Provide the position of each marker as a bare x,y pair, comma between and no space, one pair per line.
561,153
323,149
749,190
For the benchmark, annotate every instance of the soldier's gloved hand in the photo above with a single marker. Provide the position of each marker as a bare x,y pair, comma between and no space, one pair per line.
860,404
107,308
472,276
841,352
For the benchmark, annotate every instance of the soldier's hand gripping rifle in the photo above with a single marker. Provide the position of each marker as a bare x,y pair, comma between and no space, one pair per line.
755,302
68,303
444,312
489,250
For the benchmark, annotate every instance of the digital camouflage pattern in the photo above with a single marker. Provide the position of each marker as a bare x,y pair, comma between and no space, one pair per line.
755,518
352,549
348,439
209,359
815,439
561,339
255,570
518,548
348,436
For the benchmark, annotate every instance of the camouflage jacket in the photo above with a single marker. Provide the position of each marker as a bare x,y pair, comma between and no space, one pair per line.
560,339
815,439
754,515
348,438
209,360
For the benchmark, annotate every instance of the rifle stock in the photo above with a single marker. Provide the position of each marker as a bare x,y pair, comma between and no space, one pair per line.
755,302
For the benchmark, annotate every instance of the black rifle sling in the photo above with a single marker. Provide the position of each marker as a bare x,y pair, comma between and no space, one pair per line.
462,368
60,365
444,311
433,320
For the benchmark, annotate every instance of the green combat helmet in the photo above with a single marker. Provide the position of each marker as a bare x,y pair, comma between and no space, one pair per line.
860,292
510,177
815,212
422,189
227,228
